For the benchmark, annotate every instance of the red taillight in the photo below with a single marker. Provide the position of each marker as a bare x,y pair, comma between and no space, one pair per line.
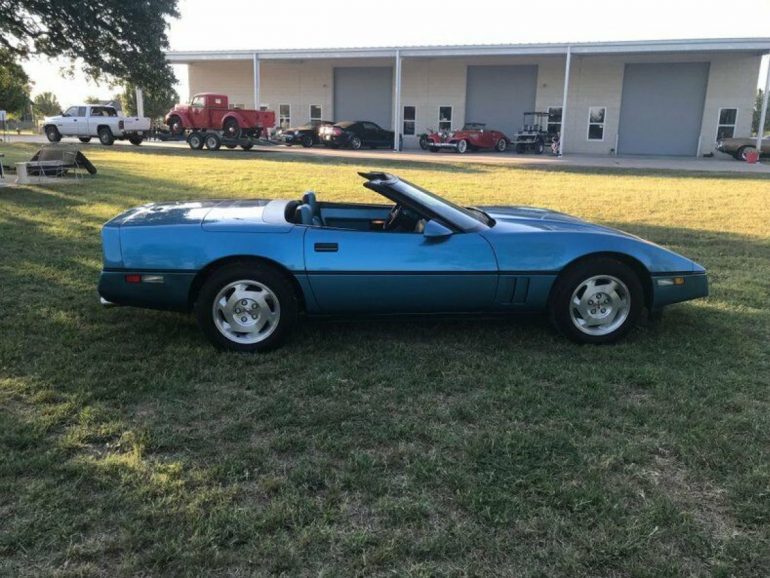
133,278
337,131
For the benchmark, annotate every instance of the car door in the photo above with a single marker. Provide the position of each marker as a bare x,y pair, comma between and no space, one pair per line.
387,272
91,122
198,113
372,134
69,121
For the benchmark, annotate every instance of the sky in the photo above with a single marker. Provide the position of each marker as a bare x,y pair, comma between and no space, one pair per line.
337,23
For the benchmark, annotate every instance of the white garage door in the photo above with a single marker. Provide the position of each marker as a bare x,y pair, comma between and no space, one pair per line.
662,108
364,93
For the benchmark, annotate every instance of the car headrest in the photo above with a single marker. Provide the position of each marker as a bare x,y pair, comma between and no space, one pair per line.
304,215
309,199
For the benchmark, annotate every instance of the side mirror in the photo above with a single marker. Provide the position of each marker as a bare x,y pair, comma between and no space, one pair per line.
435,230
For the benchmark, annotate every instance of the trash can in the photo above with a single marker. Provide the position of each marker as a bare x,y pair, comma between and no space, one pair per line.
752,157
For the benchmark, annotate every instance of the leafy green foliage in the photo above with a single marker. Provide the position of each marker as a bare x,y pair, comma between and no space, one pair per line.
115,39
758,101
46,104
14,85
408,447
156,102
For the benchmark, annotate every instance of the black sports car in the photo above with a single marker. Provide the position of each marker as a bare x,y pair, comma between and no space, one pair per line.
306,135
356,134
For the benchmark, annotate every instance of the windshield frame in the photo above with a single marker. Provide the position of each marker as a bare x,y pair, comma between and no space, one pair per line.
432,205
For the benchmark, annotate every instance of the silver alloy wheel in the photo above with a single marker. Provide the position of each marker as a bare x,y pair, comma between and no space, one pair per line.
195,141
211,142
462,146
246,311
600,304
501,145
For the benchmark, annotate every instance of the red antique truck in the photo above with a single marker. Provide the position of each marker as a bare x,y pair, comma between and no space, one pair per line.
210,121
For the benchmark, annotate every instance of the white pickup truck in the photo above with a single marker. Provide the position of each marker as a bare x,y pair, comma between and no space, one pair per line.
85,121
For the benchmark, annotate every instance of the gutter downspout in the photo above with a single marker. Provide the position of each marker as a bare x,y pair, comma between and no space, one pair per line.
564,100
763,114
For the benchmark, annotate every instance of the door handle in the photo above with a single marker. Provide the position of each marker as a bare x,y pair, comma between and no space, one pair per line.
325,247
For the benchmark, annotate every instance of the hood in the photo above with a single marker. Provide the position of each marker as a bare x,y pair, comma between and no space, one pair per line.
533,218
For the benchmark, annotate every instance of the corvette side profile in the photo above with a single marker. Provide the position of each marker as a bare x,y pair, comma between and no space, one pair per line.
249,268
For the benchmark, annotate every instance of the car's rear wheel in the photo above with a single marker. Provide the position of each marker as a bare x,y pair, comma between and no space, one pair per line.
105,136
355,143
307,141
462,146
539,147
246,307
84,139
501,145
231,128
136,140
596,301
743,151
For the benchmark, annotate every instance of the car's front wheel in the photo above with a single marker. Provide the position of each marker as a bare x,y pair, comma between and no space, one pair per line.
501,145
52,134
596,301
246,307
355,143
462,146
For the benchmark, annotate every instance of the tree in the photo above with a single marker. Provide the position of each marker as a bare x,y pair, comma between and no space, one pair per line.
46,104
156,102
119,40
758,111
92,100
14,86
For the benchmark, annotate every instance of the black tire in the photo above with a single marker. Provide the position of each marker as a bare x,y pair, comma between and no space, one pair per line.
741,152
52,134
231,128
212,141
570,283
281,297
84,139
105,136
307,141
175,126
195,140
501,145
462,146
424,142
231,146
136,140
355,143
433,149
520,149
539,147
247,146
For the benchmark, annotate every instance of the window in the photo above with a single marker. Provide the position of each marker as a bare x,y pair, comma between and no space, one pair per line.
445,118
284,115
218,101
596,116
96,111
726,125
371,126
554,121
409,118
315,112
239,106
71,111
197,102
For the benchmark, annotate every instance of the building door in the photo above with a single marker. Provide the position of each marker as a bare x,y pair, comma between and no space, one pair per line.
662,108
364,93
499,95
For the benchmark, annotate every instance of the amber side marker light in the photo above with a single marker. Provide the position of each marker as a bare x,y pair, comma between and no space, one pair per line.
670,281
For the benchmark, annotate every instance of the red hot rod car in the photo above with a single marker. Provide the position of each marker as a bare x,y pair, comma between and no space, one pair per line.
208,111
472,136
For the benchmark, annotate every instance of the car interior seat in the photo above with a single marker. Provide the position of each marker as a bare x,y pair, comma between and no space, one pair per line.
309,199
304,215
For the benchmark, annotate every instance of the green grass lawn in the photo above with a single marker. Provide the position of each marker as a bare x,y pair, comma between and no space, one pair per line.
419,447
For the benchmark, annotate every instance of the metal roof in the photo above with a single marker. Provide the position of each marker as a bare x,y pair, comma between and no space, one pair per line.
758,45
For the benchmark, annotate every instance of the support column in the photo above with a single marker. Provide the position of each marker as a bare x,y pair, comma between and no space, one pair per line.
763,114
564,100
397,104
139,102
256,80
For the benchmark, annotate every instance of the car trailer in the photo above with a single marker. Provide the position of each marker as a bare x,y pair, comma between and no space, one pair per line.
214,140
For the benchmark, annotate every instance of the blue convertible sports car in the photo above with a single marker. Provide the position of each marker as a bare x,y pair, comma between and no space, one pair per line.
248,268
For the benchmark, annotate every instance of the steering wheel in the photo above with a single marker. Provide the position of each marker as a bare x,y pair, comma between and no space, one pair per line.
393,217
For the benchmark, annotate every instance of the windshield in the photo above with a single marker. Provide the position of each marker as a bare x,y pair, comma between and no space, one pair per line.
467,219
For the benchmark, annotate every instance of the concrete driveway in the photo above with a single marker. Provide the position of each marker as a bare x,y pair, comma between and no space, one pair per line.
720,163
